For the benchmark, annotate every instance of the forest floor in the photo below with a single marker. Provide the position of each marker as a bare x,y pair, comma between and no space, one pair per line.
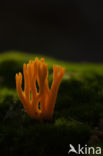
77,118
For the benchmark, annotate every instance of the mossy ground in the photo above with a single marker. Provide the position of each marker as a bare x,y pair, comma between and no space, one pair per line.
78,115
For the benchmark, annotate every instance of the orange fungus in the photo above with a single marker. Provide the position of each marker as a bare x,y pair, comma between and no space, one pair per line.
39,100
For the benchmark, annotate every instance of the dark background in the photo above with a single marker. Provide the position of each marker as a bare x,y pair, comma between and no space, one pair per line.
69,30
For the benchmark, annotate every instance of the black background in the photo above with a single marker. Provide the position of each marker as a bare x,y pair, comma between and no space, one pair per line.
69,30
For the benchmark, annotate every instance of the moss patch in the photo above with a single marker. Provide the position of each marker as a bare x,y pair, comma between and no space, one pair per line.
77,117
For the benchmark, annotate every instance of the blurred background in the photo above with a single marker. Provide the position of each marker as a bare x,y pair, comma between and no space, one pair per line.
69,30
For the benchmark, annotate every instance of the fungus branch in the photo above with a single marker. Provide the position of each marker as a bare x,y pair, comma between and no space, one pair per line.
39,104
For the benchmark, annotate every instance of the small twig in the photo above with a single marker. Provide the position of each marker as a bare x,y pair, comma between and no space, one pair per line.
70,118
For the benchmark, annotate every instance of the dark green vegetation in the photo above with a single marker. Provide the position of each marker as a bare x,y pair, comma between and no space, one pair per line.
78,115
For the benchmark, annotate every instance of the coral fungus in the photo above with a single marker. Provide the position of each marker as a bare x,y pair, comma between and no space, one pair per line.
39,104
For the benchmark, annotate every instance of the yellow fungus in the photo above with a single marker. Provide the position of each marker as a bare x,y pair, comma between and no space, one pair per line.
39,104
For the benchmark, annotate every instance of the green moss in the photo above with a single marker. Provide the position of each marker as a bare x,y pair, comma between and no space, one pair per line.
78,109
